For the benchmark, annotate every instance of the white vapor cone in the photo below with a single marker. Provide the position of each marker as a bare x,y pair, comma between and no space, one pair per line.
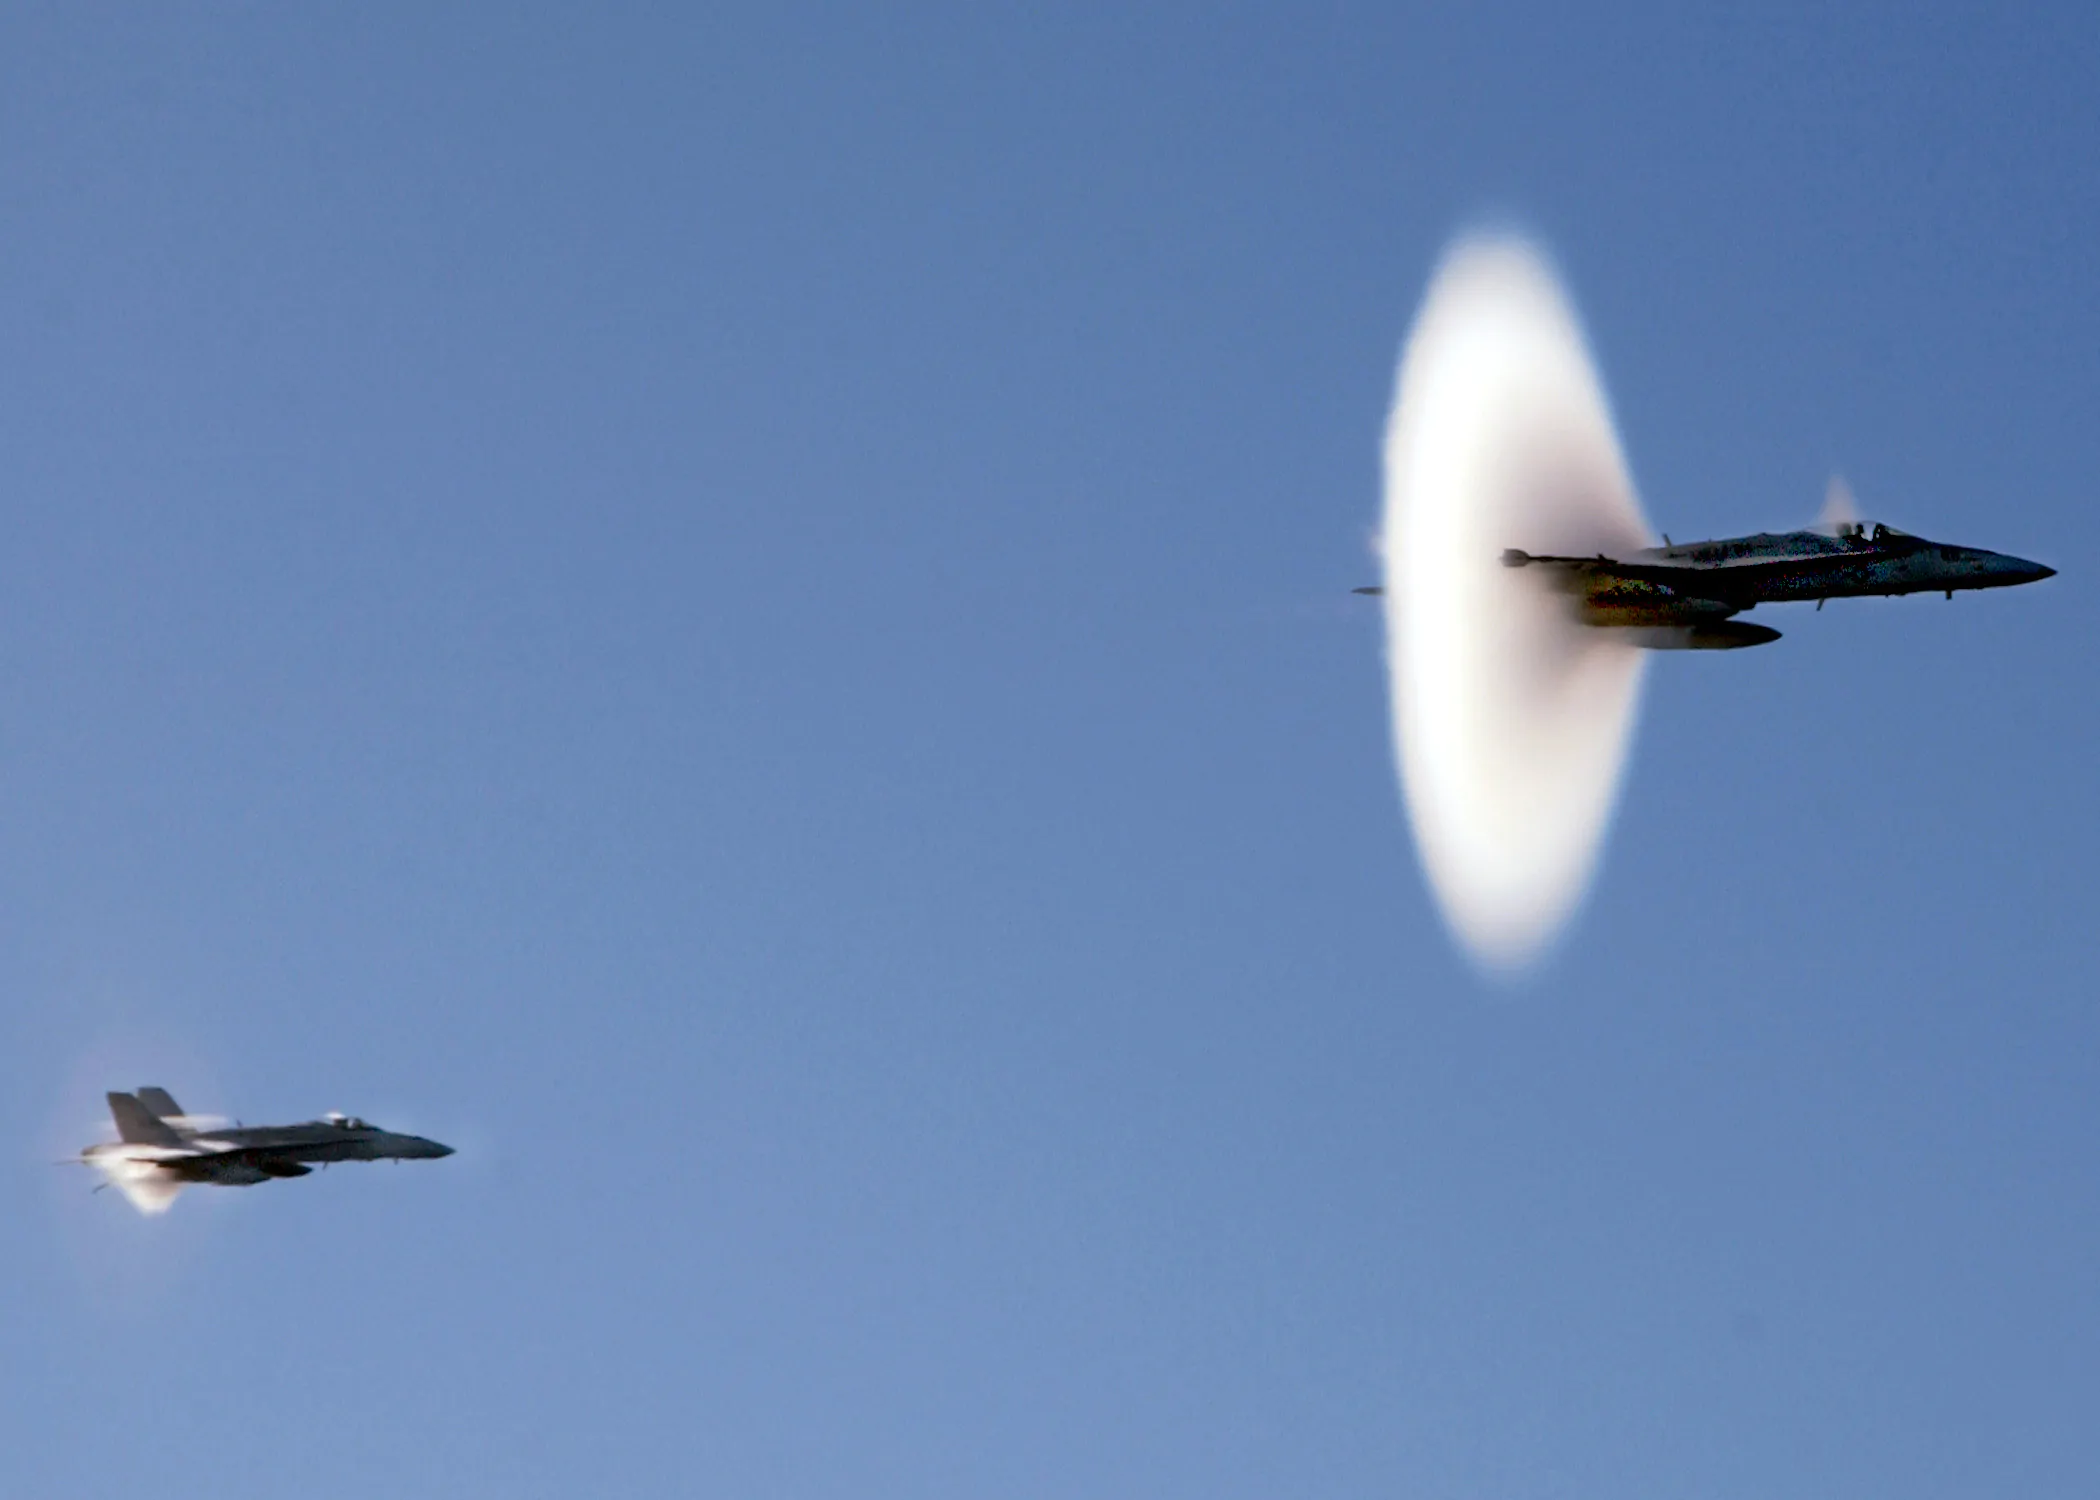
151,1188
1511,719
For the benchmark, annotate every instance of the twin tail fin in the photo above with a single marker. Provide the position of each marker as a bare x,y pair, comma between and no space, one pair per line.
139,1125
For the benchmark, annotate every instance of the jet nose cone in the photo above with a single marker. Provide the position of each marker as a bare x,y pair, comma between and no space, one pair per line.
1997,570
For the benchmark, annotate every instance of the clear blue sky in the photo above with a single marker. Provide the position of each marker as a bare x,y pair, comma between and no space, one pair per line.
747,619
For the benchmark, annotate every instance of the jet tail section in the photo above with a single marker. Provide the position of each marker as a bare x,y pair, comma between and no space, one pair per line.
160,1102
138,1125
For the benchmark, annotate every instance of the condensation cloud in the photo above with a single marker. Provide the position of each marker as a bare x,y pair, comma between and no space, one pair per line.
1511,720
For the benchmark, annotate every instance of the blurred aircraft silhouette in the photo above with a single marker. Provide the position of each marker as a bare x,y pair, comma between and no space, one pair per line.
1682,598
160,1150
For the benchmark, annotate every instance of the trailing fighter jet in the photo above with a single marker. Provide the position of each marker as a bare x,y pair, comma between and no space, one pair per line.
1682,598
161,1150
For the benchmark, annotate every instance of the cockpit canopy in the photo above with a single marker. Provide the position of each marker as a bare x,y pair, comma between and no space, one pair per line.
1858,531
347,1122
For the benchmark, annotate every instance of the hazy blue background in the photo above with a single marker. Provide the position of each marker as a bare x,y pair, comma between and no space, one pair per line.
746,617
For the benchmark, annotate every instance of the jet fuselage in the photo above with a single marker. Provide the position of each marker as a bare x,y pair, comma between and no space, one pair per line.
1684,596
160,1150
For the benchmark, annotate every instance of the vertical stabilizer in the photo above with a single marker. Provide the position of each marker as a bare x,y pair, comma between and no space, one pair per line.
160,1102
138,1125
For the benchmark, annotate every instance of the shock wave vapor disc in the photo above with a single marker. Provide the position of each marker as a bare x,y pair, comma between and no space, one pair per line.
1511,719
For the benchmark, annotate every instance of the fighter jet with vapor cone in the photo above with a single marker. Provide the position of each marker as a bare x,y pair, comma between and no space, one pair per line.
1682,597
1523,593
160,1150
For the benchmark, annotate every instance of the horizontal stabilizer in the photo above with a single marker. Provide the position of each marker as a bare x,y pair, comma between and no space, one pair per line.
139,1125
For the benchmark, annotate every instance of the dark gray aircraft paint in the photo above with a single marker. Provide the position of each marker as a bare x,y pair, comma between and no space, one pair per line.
160,1150
1682,598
